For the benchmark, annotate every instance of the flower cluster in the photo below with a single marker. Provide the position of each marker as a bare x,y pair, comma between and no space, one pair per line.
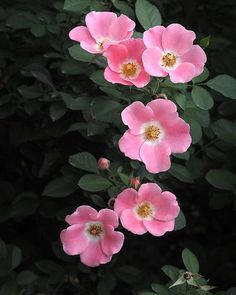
154,130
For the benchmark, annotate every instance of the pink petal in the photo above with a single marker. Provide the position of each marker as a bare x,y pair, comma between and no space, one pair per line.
116,55
114,77
135,48
125,200
112,241
81,34
161,107
159,228
74,240
152,62
130,145
197,57
98,23
184,73
142,80
135,115
81,215
177,39
130,222
153,37
108,217
167,207
93,255
156,156
148,192
178,136
121,28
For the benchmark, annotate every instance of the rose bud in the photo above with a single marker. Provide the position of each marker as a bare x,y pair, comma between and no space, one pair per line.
103,163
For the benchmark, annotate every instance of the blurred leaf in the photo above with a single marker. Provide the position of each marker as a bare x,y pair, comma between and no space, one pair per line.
99,201
190,261
98,78
181,173
38,30
147,14
202,98
61,187
26,277
57,110
160,289
205,42
224,84
225,130
84,161
221,179
21,20
76,5
124,8
94,183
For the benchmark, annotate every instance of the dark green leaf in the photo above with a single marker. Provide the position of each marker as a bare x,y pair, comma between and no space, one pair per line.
94,183
224,84
181,173
202,98
221,179
84,161
80,54
76,5
190,261
147,14
60,187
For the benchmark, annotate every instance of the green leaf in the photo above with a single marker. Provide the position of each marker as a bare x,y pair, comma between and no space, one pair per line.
94,183
224,84
72,67
160,289
98,201
38,30
204,75
76,5
21,20
205,42
171,271
221,179
225,130
26,277
98,78
181,100
61,187
147,14
80,54
180,221
80,103
124,8
181,173
202,98
57,110
14,256
101,107
84,161
190,261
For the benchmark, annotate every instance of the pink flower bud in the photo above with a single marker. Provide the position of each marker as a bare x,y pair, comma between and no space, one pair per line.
135,182
103,163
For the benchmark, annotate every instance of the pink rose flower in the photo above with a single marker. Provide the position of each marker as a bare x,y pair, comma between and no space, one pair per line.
103,29
125,64
149,209
103,164
91,234
155,131
171,51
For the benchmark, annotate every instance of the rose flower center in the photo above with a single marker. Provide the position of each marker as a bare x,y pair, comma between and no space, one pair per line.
169,60
95,230
129,69
101,43
152,133
144,210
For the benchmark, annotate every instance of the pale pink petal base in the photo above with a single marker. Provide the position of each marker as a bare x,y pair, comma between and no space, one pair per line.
125,200
131,223
184,73
152,62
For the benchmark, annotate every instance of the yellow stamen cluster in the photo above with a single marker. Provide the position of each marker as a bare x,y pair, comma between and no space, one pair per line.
144,210
152,133
129,69
169,60
95,230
